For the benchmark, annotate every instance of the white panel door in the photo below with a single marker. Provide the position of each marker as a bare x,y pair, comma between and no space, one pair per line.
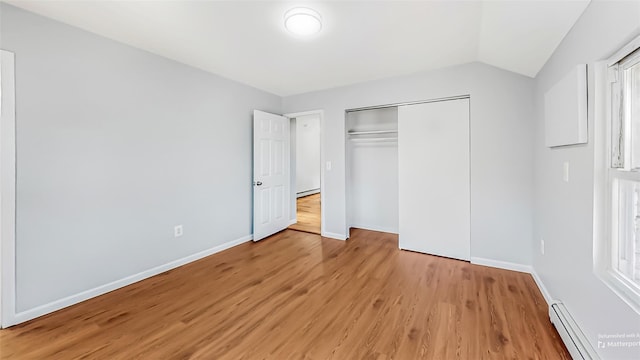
271,180
433,169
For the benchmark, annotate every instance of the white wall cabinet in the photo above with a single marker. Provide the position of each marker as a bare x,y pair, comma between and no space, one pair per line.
565,110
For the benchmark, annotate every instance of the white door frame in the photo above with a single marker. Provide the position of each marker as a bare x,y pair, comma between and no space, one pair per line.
322,163
7,190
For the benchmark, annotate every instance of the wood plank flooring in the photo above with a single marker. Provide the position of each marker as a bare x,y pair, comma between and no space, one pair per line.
299,296
308,214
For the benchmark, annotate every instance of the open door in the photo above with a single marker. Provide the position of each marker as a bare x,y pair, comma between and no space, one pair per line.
271,166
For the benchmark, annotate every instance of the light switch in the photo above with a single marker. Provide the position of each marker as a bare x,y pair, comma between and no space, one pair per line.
328,165
565,172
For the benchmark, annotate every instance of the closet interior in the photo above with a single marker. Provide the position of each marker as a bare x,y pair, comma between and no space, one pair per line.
372,169
408,173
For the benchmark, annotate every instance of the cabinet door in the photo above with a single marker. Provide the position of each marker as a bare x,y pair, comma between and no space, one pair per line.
433,169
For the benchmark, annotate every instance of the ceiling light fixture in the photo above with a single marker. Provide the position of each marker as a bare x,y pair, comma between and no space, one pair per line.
302,21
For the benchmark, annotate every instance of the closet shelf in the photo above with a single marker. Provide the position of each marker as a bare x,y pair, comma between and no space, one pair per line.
378,139
372,132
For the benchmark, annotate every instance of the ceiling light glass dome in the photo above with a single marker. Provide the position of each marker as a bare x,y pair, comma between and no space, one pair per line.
302,21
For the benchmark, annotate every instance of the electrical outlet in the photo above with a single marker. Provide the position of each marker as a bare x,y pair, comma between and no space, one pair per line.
177,231
542,246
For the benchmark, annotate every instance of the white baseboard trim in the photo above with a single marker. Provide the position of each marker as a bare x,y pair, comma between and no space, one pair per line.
543,289
502,264
516,267
375,228
293,221
103,289
334,236
307,193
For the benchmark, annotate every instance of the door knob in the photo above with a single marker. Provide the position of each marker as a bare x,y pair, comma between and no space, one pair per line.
258,183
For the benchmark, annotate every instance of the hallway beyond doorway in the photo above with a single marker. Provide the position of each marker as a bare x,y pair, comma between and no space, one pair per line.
308,214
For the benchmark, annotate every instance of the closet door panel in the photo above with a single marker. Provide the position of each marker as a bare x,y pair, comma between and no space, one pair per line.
433,170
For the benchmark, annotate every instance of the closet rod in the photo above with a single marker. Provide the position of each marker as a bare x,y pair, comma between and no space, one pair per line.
371,132
389,139
409,103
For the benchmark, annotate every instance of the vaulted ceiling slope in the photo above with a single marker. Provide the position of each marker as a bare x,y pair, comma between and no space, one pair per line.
360,40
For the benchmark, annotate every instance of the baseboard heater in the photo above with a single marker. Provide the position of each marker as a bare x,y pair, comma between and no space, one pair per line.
571,335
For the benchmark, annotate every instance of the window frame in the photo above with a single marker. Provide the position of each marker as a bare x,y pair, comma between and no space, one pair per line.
611,167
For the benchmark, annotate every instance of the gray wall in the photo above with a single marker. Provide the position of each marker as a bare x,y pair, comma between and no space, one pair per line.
501,148
115,146
564,211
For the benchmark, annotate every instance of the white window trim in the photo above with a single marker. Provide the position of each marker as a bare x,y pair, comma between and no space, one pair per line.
603,216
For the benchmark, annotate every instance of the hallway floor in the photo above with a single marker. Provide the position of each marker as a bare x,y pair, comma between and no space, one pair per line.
308,214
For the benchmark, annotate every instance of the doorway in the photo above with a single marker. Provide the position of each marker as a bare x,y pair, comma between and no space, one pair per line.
306,172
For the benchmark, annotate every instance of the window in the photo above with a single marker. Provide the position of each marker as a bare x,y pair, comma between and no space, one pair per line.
622,179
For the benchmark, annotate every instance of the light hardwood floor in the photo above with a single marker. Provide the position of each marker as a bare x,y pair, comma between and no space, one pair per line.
308,214
299,296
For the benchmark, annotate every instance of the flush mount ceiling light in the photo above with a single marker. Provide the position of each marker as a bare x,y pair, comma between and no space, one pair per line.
302,21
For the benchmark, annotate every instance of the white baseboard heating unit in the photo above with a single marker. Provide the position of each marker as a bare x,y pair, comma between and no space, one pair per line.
571,335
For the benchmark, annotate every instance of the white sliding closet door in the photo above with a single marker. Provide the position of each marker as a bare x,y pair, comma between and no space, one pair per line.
433,170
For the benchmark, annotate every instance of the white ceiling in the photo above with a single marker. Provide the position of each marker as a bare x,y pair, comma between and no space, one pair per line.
360,40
